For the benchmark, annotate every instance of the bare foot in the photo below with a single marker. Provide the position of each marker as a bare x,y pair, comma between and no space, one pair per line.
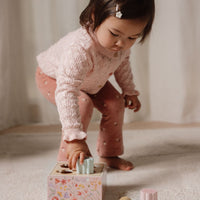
117,163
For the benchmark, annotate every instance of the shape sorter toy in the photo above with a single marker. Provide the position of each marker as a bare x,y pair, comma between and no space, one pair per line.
65,184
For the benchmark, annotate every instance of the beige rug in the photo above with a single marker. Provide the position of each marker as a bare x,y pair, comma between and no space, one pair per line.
166,159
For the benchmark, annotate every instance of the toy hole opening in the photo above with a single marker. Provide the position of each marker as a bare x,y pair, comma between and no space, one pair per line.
64,165
65,171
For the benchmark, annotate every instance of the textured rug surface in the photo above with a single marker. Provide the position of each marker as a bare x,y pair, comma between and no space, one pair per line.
167,160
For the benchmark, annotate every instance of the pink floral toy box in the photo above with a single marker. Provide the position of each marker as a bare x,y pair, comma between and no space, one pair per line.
65,184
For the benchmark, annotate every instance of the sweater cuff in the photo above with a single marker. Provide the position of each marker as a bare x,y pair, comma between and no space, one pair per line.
73,134
130,93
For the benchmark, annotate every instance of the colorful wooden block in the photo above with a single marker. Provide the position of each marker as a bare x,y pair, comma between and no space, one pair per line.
87,167
65,184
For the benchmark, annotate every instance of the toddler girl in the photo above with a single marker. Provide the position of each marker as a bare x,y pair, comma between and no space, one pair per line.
74,73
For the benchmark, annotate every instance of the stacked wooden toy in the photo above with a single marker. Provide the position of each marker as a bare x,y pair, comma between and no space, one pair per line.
86,182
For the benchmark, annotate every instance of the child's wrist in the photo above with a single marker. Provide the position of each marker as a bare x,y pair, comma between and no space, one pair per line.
75,141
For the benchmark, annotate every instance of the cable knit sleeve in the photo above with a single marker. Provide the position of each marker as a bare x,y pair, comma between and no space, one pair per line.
124,77
74,66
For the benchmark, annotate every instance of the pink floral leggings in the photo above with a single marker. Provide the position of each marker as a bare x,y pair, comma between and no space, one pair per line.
108,101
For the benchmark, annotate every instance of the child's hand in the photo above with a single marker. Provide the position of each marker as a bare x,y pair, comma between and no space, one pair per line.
77,149
132,102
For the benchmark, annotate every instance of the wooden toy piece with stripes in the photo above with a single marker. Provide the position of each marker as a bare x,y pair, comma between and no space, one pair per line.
148,194
86,182
87,167
145,194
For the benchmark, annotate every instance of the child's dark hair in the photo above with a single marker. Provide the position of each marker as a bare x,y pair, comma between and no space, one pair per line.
98,10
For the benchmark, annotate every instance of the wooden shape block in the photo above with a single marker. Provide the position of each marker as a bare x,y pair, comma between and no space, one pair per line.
87,167
65,184
148,194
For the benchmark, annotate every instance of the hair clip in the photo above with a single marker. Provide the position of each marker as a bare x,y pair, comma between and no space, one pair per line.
118,12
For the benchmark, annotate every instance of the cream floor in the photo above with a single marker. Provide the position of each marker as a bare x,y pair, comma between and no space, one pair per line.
166,158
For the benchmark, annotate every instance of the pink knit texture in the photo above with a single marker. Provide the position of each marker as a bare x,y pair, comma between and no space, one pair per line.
79,62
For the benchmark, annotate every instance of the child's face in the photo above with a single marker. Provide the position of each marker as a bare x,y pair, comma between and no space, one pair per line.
119,34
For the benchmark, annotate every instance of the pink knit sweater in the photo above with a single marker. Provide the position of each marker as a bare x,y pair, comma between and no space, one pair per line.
79,62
